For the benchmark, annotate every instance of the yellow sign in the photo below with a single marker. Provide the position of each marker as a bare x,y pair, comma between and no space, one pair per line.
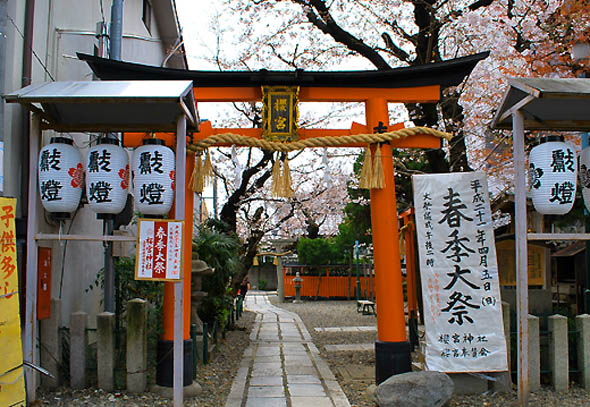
280,113
12,381
507,263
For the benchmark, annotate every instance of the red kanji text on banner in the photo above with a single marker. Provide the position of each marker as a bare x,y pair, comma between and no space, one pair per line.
159,250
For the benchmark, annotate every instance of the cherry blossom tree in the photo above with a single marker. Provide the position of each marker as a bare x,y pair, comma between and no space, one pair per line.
526,37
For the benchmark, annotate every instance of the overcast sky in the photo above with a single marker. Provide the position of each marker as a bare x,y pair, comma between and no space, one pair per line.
195,18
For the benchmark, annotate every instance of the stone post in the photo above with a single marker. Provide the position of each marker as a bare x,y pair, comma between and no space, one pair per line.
50,349
558,352
506,319
136,345
583,328
503,381
534,354
78,349
105,351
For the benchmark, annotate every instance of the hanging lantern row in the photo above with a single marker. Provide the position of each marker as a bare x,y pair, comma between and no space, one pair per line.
61,175
553,173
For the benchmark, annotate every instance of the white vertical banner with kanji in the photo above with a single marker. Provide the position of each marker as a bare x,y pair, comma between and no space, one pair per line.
159,250
459,273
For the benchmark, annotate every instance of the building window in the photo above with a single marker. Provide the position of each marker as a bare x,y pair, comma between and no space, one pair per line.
147,15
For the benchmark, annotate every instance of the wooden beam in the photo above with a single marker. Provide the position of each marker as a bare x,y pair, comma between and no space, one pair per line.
88,238
558,236
419,94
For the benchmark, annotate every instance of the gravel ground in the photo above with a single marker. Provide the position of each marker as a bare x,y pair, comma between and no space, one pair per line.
343,313
215,378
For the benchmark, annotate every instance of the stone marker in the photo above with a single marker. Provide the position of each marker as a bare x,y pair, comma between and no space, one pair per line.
415,389
583,328
105,351
78,349
534,354
50,349
558,352
136,345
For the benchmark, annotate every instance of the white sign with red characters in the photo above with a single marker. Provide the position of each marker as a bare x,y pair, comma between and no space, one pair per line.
159,250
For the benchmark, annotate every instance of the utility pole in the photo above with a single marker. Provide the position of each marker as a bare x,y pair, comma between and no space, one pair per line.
109,222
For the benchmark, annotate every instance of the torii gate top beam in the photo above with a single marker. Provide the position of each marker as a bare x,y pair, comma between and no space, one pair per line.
416,84
444,74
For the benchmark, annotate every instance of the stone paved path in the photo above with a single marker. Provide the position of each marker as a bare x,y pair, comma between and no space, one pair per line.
282,367
346,329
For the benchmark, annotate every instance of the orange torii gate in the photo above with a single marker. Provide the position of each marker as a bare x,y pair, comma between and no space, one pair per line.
421,84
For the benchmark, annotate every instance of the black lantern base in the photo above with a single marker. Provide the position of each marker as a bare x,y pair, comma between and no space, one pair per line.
165,367
392,358
60,215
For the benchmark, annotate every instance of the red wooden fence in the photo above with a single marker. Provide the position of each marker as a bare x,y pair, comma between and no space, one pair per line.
329,286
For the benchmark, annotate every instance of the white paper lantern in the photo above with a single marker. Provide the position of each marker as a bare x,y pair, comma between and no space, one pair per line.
60,176
553,176
107,178
153,167
585,175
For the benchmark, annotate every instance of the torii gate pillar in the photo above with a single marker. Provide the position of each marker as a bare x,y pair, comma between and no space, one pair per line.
392,350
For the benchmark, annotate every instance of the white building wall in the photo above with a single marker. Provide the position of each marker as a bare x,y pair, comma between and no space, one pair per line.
62,28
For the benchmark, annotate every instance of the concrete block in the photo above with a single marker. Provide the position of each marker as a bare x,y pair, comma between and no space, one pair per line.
540,300
534,354
136,345
50,349
583,343
78,349
503,382
105,351
558,352
466,383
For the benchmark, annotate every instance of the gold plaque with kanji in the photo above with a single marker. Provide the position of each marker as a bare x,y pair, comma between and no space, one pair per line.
280,113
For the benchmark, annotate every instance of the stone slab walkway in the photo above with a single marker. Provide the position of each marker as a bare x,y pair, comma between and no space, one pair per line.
346,329
350,347
282,367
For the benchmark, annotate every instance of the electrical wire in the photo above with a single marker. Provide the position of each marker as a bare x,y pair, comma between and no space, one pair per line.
63,262
32,50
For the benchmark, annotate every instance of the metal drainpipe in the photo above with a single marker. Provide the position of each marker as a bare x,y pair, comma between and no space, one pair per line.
3,21
27,73
26,80
116,29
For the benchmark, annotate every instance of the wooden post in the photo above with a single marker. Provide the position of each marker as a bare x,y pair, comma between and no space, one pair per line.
522,299
179,333
392,351
30,334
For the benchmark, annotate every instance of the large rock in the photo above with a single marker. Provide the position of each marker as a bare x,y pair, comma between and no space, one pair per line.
415,389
